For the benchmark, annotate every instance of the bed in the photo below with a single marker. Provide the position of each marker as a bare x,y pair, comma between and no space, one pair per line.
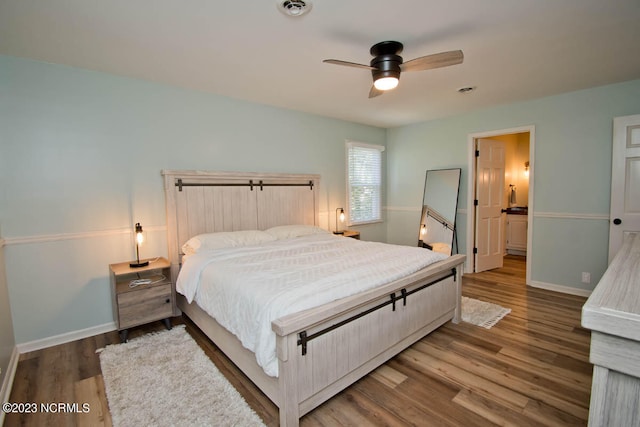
323,348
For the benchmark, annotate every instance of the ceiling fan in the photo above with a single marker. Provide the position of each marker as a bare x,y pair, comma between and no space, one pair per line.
387,64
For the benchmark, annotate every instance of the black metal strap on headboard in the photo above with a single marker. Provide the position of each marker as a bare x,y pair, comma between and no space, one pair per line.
304,337
250,184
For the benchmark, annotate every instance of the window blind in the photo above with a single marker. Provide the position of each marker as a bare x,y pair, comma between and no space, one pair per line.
364,164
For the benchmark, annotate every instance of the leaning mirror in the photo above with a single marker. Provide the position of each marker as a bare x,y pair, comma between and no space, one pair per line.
439,206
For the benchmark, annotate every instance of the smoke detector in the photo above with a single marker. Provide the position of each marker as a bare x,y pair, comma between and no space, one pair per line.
294,7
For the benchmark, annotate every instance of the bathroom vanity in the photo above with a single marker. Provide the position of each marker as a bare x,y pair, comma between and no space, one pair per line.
516,231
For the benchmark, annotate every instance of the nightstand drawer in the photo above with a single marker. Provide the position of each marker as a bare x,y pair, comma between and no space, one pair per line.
144,305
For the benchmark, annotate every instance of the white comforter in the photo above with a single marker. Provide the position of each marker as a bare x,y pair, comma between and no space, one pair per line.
246,288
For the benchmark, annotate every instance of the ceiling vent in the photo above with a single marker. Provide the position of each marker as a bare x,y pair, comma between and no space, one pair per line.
294,7
466,89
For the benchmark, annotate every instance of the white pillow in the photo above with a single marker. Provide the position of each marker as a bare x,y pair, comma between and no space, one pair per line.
290,231
225,239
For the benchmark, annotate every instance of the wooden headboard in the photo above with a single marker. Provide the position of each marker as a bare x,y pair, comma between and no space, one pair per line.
206,202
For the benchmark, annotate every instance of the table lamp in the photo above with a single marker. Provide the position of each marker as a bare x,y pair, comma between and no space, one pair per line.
139,240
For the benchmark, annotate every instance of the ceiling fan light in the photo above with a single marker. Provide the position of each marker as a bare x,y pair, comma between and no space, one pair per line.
386,83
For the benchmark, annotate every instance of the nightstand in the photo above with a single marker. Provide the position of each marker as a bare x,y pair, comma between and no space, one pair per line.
352,233
141,295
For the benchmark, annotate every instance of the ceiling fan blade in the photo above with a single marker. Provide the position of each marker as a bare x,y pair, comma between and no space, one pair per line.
437,60
375,92
348,64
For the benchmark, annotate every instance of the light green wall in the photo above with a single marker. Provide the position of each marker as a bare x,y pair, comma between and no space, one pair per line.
81,153
572,177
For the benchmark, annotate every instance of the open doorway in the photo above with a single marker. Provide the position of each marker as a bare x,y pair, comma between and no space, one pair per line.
497,191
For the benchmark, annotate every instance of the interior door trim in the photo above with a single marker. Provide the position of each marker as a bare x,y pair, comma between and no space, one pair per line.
471,176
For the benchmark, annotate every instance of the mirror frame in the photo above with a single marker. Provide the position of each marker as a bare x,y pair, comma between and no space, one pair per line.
440,217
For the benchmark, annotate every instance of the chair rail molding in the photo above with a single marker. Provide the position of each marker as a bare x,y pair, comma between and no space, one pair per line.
570,215
43,238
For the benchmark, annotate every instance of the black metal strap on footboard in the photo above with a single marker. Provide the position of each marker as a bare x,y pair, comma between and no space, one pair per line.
304,338
250,184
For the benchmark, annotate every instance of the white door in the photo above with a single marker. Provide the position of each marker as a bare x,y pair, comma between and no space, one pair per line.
490,165
625,181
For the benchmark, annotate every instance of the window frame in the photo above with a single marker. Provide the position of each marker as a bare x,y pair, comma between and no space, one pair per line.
349,210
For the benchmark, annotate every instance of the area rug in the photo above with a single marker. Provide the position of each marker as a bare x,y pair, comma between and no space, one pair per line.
166,379
482,313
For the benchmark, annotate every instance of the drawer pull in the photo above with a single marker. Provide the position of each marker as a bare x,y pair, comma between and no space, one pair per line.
168,300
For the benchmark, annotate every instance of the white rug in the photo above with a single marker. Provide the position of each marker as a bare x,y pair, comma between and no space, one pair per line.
482,313
166,379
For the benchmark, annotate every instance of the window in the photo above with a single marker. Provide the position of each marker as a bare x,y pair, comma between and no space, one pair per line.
364,182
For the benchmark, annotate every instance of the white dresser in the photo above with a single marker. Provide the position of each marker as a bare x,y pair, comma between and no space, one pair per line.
612,312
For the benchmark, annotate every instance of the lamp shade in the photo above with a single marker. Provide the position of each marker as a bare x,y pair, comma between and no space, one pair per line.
339,220
139,234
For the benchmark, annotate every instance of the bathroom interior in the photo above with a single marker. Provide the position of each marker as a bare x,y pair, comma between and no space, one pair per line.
516,192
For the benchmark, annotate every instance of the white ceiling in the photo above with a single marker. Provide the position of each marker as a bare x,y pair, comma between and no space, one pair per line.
514,49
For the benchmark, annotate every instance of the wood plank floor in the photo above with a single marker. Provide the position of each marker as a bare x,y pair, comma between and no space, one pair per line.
531,369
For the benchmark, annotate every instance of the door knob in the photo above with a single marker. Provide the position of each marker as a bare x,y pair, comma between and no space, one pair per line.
617,221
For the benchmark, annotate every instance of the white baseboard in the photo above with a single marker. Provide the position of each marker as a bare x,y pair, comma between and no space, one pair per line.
7,384
66,337
560,288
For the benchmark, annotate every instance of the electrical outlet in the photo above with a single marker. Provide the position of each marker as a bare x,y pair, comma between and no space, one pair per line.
586,277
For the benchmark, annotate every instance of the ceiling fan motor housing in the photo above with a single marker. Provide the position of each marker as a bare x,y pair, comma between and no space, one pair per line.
386,66
386,59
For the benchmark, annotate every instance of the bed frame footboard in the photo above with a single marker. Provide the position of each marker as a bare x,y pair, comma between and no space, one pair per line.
321,354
